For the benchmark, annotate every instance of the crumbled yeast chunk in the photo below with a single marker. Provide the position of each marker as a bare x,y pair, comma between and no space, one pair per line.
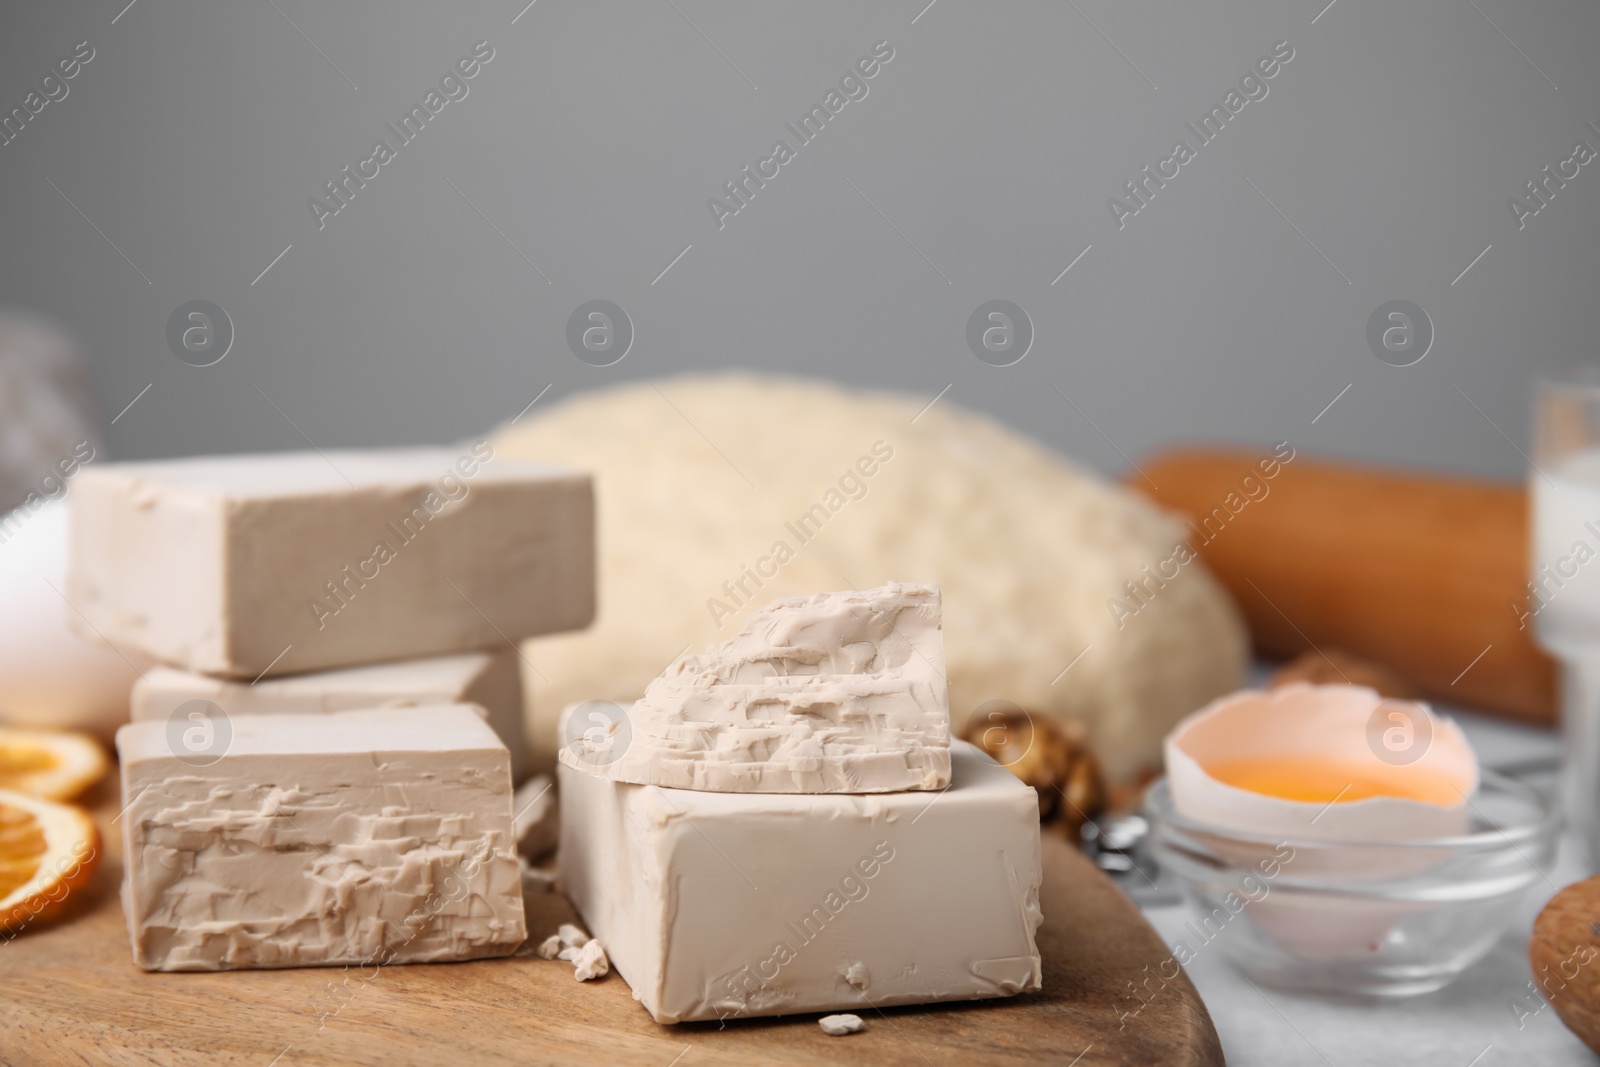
839,1025
831,693
570,943
591,962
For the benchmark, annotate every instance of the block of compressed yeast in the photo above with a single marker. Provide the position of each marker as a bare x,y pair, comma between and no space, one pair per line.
723,905
490,680
830,693
298,561
356,837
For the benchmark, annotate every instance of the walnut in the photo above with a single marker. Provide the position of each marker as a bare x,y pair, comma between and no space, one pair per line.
1332,667
1564,955
1049,754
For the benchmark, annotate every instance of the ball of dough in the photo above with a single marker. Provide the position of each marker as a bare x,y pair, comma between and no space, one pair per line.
717,494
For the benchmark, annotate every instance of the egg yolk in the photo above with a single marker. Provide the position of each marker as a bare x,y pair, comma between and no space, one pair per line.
1320,780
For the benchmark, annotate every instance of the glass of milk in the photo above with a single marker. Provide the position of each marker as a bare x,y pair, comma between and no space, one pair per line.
1563,596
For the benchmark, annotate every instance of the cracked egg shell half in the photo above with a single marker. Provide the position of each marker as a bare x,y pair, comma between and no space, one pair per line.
1336,763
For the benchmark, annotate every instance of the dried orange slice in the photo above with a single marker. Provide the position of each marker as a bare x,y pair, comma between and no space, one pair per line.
53,764
47,850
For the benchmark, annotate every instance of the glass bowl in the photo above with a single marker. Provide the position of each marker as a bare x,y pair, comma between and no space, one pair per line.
1356,918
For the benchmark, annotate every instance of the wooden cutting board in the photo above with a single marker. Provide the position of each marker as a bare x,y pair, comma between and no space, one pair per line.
71,994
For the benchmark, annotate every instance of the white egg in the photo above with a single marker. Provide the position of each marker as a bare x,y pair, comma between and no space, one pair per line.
48,675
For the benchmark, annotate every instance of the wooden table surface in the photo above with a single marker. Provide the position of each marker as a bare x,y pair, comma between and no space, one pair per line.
71,994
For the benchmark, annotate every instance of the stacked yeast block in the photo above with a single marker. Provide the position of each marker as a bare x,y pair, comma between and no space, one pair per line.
491,681
785,825
358,837
239,565
285,593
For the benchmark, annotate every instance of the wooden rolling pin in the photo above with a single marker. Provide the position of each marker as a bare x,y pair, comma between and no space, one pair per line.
1419,573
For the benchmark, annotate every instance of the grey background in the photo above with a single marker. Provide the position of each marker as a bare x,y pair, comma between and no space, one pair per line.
991,142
